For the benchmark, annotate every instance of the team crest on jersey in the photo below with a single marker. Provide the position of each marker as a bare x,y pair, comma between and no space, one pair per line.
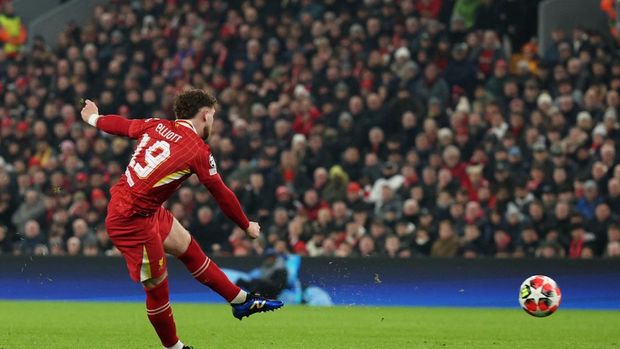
213,169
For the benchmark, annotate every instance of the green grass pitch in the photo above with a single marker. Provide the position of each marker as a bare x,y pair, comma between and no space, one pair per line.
55,325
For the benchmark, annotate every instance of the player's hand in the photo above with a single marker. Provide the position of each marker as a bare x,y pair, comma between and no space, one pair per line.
89,109
253,231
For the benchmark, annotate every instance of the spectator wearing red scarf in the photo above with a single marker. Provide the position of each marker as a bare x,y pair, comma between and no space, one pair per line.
312,204
578,235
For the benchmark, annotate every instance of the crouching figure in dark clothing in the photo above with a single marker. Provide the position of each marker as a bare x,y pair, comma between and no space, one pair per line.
271,278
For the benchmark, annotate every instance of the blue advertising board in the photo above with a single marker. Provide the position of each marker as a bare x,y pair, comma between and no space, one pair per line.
586,284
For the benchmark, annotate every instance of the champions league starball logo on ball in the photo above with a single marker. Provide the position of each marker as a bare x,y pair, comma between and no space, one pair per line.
540,296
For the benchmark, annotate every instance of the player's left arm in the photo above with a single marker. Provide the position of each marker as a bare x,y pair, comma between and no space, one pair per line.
112,124
204,167
227,200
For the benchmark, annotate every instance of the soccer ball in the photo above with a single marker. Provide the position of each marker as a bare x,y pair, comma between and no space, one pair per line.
540,296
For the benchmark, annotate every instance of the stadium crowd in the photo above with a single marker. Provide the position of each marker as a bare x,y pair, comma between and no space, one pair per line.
347,128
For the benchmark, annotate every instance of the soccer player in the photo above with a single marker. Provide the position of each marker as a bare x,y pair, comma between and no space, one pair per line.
168,152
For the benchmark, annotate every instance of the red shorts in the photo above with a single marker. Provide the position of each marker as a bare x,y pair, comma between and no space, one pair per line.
141,241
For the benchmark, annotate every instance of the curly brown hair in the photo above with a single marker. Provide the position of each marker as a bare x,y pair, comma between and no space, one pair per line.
188,103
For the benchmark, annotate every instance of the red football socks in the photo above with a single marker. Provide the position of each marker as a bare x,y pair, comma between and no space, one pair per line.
207,272
160,313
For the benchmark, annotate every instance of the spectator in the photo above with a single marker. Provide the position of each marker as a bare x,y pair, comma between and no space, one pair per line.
503,246
549,250
312,204
447,244
613,234
587,204
209,233
422,244
488,53
579,238
613,250
295,233
391,178
389,202
460,72
466,9
5,240
335,189
392,246
258,197
74,246
432,85
528,243
599,225
12,31
32,238
31,209
367,247
473,240
90,247
315,244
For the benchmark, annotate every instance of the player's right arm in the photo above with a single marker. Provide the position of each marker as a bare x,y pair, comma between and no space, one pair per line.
112,124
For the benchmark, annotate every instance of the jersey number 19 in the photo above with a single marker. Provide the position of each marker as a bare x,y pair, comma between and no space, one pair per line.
154,156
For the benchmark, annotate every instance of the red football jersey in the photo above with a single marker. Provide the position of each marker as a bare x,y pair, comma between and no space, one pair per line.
166,154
